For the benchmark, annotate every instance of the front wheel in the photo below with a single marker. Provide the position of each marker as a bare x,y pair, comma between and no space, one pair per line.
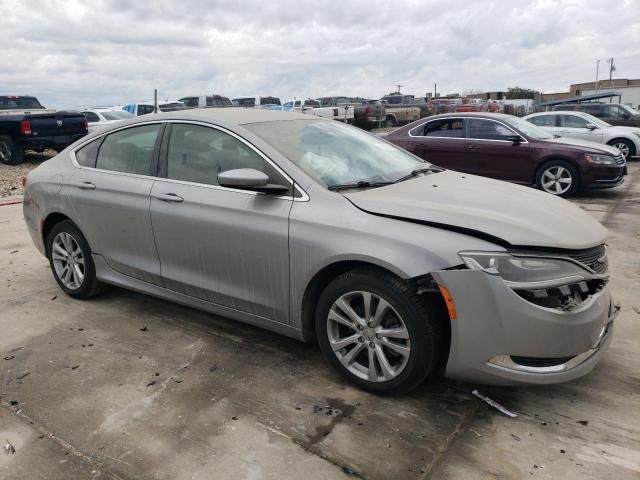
390,122
378,333
558,178
10,153
71,262
626,147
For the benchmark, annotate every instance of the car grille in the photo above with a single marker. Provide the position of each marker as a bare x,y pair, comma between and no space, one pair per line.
619,159
595,258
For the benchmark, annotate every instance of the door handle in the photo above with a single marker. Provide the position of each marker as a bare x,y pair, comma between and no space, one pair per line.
86,186
169,197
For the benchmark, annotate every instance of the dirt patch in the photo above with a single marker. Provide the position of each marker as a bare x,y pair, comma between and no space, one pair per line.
11,175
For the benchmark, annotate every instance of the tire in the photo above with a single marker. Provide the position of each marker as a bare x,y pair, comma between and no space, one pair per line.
561,171
408,314
390,122
625,146
10,153
67,236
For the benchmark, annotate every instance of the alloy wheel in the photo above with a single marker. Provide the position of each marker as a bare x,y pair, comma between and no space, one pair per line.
68,260
556,180
5,152
623,147
368,336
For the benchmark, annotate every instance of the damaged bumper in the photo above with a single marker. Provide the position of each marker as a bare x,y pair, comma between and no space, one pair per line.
500,338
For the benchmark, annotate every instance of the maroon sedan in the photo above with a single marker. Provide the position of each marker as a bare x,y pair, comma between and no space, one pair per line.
508,148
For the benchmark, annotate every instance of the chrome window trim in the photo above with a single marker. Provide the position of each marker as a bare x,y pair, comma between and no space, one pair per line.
524,140
303,198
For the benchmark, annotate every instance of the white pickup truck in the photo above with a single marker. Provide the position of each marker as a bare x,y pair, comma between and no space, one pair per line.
342,113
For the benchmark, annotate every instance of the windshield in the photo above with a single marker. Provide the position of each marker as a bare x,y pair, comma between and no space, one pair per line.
632,111
170,107
335,154
527,128
117,115
13,103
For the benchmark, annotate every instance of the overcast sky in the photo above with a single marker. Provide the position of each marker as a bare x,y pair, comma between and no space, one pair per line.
90,52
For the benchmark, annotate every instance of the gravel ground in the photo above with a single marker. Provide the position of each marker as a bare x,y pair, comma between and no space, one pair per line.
11,175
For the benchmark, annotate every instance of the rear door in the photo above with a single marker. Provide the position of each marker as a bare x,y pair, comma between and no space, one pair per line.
442,142
575,126
225,246
110,199
548,123
494,154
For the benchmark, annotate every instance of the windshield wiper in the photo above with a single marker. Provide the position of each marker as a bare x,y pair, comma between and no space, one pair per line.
361,184
418,171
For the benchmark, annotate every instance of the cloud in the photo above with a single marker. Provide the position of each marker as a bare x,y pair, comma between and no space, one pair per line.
75,54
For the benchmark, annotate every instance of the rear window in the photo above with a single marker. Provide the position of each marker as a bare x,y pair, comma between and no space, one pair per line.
245,102
311,103
170,107
270,101
12,103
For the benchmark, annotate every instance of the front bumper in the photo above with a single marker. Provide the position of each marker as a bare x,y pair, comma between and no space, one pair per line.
495,329
605,177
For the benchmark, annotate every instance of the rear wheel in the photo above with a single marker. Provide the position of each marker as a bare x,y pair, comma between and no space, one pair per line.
558,178
626,147
71,262
390,122
10,153
378,333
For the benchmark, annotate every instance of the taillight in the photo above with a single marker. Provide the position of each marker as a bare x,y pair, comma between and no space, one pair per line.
86,124
25,127
24,181
367,111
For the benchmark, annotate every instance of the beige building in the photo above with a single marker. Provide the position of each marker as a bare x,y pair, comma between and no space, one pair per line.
628,88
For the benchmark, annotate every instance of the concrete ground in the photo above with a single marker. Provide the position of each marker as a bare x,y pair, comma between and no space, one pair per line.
130,387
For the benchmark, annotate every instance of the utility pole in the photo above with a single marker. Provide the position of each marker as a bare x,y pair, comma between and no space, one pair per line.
435,90
155,100
399,86
612,68
597,68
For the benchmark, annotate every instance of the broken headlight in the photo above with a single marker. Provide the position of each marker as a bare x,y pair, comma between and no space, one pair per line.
526,272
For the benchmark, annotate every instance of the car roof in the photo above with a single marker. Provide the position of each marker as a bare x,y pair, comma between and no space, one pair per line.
231,115
493,116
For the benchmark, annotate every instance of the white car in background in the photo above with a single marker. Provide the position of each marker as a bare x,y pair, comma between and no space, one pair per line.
587,127
342,113
100,117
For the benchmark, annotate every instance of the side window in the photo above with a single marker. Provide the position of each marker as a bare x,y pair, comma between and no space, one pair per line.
544,120
91,117
129,150
86,156
297,103
487,130
447,127
614,111
394,100
198,154
573,121
595,110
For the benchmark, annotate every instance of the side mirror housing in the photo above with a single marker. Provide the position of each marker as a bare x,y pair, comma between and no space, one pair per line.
249,179
515,139
590,126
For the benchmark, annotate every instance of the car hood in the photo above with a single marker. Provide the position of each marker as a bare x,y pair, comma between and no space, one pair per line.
585,145
491,209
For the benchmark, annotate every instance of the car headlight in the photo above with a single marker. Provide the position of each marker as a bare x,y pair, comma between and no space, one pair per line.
526,272
600,159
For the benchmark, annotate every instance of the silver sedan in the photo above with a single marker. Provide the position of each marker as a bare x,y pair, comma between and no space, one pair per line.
317,230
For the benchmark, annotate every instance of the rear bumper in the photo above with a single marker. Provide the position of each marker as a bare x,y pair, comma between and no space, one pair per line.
498,338
58,142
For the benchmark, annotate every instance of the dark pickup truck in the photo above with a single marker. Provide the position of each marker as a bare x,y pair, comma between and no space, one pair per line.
26,125
367,114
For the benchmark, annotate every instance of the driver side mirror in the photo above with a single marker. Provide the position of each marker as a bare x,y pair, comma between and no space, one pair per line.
516,139
249,179
590,126
626,115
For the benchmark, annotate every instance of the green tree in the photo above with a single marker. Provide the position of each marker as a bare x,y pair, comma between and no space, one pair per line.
519,92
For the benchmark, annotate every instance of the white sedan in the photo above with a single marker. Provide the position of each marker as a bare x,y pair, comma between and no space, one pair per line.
587,127
98,118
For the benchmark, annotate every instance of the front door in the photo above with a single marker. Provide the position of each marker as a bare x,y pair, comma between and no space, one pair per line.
575,126
492,149
110,198
228,247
